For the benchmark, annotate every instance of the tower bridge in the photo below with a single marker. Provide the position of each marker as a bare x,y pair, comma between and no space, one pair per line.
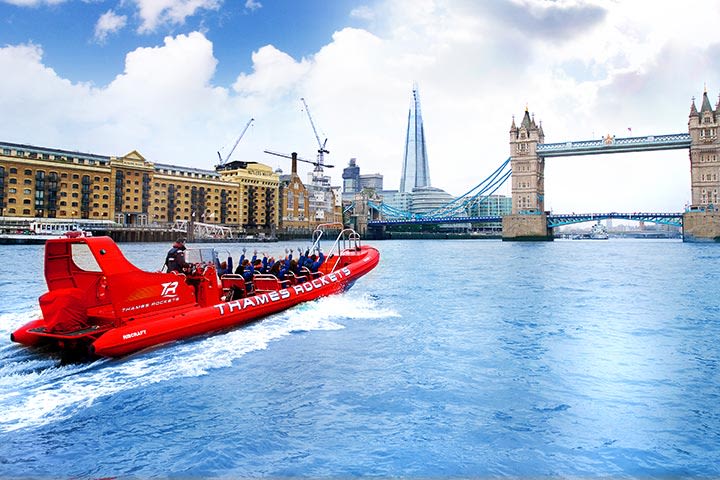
529,220
526,170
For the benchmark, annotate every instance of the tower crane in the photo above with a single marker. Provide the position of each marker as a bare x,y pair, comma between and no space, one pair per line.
321,145
227,157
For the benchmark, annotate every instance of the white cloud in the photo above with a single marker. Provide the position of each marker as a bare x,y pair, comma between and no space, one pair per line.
109,23
155,13
363,12
273,72
161,99
612,67
252,5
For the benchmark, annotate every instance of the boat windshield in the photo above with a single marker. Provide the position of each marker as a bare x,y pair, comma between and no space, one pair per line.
200,255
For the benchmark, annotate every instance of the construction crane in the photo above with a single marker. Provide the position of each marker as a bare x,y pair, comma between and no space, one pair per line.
321,145
285,155
224,161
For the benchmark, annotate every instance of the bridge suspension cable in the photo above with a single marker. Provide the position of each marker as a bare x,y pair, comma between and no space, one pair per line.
476,195
458,207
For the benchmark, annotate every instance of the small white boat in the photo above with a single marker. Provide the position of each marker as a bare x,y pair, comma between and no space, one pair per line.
599,232
39,232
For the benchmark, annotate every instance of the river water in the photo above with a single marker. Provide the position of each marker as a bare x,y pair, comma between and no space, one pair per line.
450,359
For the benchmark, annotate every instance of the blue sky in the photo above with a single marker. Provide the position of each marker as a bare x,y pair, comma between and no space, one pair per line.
66,31
177,80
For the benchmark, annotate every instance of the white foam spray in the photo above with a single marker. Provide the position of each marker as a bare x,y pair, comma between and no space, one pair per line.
35,390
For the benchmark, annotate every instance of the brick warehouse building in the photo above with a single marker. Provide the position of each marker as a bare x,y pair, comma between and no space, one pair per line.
39,182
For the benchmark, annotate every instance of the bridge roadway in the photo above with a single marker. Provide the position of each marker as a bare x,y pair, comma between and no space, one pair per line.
553,220
615,145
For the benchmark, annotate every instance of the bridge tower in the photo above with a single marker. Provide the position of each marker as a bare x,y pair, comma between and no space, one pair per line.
528,220
702,221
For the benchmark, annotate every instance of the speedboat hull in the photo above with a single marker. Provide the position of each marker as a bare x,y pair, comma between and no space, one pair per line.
136,336
110,308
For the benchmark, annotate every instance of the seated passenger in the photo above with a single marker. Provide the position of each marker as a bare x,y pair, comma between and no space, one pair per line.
241,263
223,268
257,266
244,269
316,262
275,269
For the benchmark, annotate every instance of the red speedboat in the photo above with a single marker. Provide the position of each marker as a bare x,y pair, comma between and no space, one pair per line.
99,304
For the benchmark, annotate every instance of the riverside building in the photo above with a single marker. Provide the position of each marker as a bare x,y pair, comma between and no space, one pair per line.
40,182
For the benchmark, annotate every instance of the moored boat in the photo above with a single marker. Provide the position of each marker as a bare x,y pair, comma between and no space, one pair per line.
99,304
38,233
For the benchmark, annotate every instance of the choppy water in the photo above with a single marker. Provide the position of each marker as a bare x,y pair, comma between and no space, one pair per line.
452,358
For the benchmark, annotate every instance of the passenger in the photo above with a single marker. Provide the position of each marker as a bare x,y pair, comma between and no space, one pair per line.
175,259
241,264
275,269
223,268
258,267
317,261
269,263
303,257
294,267
246,270
284,268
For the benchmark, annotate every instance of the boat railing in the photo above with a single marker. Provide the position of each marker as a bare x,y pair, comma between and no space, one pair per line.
347,239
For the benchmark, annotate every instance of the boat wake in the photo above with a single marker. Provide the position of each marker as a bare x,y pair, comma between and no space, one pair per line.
36,390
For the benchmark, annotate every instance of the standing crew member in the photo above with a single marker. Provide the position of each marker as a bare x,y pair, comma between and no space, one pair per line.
175,260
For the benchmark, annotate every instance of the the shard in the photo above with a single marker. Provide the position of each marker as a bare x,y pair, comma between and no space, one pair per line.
415,171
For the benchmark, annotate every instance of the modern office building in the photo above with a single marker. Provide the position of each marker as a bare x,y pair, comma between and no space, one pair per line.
351,180
492,206
428,199
415,169
397,200
371,181
354,182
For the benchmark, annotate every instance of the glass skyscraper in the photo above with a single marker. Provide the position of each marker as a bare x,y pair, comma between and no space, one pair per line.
415,171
